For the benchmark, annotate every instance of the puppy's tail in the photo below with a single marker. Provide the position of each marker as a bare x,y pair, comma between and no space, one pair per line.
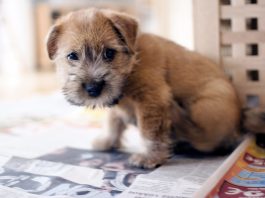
253,122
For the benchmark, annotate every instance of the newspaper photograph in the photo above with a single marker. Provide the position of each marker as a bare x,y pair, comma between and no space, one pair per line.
241,176
48,185
118,175
112,160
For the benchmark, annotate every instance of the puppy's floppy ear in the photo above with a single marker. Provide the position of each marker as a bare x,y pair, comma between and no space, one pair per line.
125,26
51,41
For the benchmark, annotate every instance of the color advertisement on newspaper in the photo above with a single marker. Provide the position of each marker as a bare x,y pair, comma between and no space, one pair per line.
244,179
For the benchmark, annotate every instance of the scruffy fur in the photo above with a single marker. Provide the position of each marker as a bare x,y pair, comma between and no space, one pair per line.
164,89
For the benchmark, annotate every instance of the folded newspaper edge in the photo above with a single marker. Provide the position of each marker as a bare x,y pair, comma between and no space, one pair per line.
241,175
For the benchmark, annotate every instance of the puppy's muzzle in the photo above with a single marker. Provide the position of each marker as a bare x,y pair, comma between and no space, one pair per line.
94,88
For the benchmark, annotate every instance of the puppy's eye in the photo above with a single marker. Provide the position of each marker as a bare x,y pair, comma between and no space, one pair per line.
109,54
72,56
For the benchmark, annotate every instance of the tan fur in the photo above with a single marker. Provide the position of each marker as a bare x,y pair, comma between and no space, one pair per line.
164,86
254,120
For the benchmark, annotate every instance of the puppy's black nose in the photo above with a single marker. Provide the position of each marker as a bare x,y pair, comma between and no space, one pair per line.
94,88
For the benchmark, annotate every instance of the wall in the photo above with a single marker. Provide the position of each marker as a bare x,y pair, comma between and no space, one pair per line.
181,22
174,20
17,37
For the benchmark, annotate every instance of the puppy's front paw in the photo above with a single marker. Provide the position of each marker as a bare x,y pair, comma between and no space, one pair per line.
147,161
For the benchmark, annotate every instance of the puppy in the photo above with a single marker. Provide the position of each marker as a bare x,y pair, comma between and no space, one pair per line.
168,92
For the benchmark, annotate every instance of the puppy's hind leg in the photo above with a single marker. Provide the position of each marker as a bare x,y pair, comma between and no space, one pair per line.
216,115
112,132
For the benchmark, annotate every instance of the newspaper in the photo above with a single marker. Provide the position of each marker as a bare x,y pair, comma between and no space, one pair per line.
77,174
241,176
118,175
178,178
6,192
80,173
99,174
29,181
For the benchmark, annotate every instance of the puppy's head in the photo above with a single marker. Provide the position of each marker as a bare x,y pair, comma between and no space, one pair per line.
94,50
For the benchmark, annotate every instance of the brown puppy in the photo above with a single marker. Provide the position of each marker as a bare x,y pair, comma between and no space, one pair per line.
161,87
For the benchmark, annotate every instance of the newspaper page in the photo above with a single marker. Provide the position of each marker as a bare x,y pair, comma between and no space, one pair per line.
241,176
48,185
80,173
186,172
6,192
77,174
180,177
98,174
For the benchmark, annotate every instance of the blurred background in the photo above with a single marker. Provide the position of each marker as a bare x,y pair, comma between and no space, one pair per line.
29,87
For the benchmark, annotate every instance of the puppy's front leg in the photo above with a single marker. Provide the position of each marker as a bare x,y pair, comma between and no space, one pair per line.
113,129
155,127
